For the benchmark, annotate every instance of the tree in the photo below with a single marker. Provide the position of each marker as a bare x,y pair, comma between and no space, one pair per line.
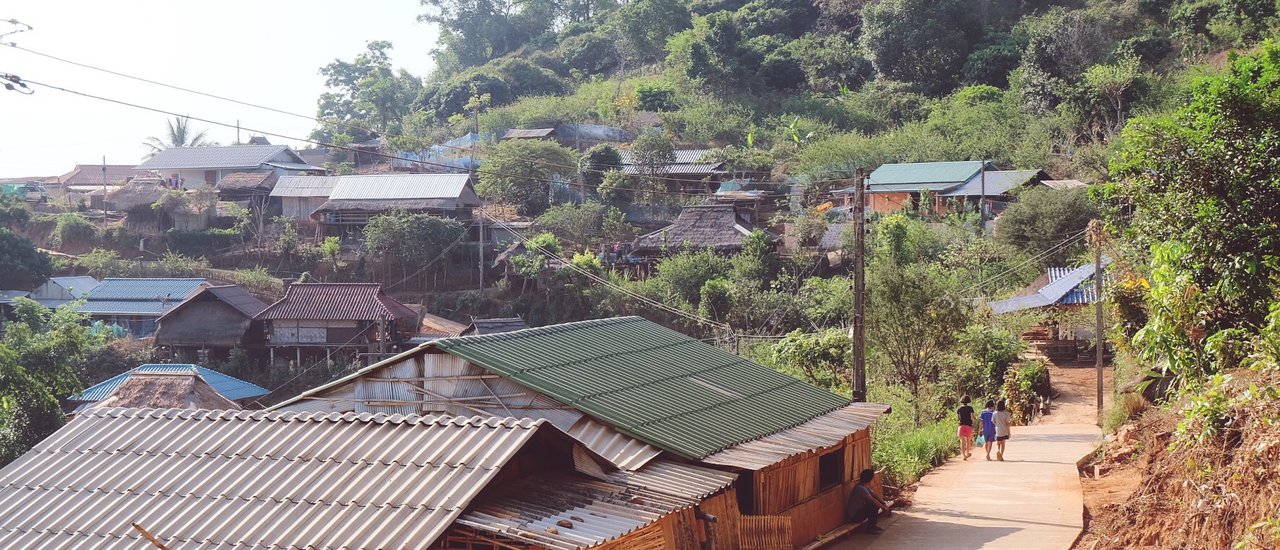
823,357
914,315
617,188
14,213
520,172
366,96
410,240
598,160
24,266
332,249
924,42
1205,177
645,26
653,153
179,134
475,31
1043,218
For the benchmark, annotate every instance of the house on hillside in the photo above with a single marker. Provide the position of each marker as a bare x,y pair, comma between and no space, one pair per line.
690,172
137,304
579,137
360,482
210,324
715,226
191,167
59,291
300,196
951,186
1059,293
167,385
251,187
635,393
353,200
97,175
318,320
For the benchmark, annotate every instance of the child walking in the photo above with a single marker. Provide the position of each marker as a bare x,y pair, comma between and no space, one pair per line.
1001,421
965,412
988,426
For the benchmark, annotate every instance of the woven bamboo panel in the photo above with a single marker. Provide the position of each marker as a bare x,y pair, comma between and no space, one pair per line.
765,533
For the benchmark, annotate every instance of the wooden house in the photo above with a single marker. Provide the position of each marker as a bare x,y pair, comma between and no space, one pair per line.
168,385
299,196
210,324
712,226
355,199
206,479
951,186
317,320
635,392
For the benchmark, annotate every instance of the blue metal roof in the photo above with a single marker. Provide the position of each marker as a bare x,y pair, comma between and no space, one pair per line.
128,307
230,387
1082,294
1064,284
174,290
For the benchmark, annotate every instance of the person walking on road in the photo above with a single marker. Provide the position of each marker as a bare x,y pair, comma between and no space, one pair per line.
864,505
988,426
965,412
1001,421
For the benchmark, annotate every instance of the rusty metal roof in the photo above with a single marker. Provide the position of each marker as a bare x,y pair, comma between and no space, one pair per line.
336,302
823,431
599,511
252,479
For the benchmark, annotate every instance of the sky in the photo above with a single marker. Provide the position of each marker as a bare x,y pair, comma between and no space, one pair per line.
266,52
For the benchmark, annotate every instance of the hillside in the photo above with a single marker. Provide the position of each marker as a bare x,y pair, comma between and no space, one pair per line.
810,89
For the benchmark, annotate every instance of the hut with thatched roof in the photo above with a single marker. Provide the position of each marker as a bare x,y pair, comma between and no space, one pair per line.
167,390
699,227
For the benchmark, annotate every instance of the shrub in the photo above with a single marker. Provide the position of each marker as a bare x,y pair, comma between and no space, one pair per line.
72,229
1024,384
256,279
906,456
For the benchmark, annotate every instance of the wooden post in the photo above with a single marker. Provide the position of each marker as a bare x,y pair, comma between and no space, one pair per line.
1096,235
858,332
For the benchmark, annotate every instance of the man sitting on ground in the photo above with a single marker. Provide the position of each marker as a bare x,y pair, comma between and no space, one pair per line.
864,505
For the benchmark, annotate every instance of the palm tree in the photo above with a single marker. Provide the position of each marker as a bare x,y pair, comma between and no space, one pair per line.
179,135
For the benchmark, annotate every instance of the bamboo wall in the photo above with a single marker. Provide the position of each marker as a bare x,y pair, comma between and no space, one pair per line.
790,489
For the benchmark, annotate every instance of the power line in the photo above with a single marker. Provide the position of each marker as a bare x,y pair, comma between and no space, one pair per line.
317,120
1042,255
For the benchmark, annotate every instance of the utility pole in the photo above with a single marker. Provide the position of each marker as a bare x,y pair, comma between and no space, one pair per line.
104,191
471,167
858,332
982,197
1096,235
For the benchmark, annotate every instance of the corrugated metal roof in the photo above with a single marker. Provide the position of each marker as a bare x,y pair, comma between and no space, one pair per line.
823,431
233,156
600,511
128,307
304,186
78,285
230,387
239,299
8,296
1084,293
336,302
921,173
173,290
687,161
401,186
1063,286
1064,184
623,451
698,227
495,326
299,166
652,383
252,479
531,133
998,182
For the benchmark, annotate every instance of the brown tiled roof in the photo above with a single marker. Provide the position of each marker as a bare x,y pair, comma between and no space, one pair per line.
91,174
336,302
248,181
700,227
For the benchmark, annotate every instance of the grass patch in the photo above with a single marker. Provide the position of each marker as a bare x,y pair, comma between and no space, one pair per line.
905,456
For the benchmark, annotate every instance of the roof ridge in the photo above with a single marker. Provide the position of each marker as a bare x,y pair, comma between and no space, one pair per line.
546,329
314,417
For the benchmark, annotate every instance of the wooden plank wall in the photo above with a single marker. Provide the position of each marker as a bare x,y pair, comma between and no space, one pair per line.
724,506
766,533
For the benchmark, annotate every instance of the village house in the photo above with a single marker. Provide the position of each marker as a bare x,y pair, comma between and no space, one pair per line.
299,196
191,167
86,182
1061,293
210,324
167,385
951,186
635,392
579,137
689,172
249,189
712,226
59,291
136,304
353,481
319,320
353,200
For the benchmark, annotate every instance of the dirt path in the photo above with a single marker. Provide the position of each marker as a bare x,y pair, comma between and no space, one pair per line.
1076,401
1032,500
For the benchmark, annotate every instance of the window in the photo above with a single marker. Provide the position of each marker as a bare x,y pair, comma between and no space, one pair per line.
831,469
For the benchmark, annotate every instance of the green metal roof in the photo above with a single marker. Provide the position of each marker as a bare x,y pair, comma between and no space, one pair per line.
934,175
652,383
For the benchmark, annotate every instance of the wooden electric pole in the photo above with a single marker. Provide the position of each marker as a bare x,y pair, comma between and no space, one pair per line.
1096,236
858,332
